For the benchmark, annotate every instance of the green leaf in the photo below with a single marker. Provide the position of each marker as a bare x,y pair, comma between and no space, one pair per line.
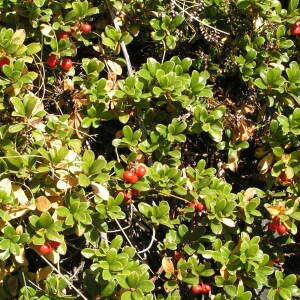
45,220
84,180
293,4
39,3
33,48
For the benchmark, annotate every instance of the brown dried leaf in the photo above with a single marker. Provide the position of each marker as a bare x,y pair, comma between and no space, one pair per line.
276,210
243,130
224,272
17,212
43,273
68,85
248,109
168,265
42,204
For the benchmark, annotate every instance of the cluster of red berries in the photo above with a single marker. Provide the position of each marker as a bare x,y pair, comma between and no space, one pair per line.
295,30
4,61
67,63
133,176
275,225
47,247
199,206
201,288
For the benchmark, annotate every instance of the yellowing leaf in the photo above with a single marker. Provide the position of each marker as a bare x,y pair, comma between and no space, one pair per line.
167,265
249,194
179,275
19,37
42,204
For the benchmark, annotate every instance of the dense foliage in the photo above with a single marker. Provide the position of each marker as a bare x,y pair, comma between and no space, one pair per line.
149,149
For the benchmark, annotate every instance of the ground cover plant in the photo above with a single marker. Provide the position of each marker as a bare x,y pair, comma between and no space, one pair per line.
149,149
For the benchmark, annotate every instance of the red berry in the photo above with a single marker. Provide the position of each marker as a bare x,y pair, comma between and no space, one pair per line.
199,206
54,244
141,171
135,192
134,179
272,227
277,260
52,61
197,289
45,248
282,229
128,175
86,28
4,61
63,35
206,288
67,64
177,255
295,29
192,204
283,177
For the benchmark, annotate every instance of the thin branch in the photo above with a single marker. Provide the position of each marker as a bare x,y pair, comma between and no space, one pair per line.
200,21
151,243
65,278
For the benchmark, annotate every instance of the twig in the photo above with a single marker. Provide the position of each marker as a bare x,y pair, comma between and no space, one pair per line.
65,278
151,243
129,241
200,21
170,195
164,54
